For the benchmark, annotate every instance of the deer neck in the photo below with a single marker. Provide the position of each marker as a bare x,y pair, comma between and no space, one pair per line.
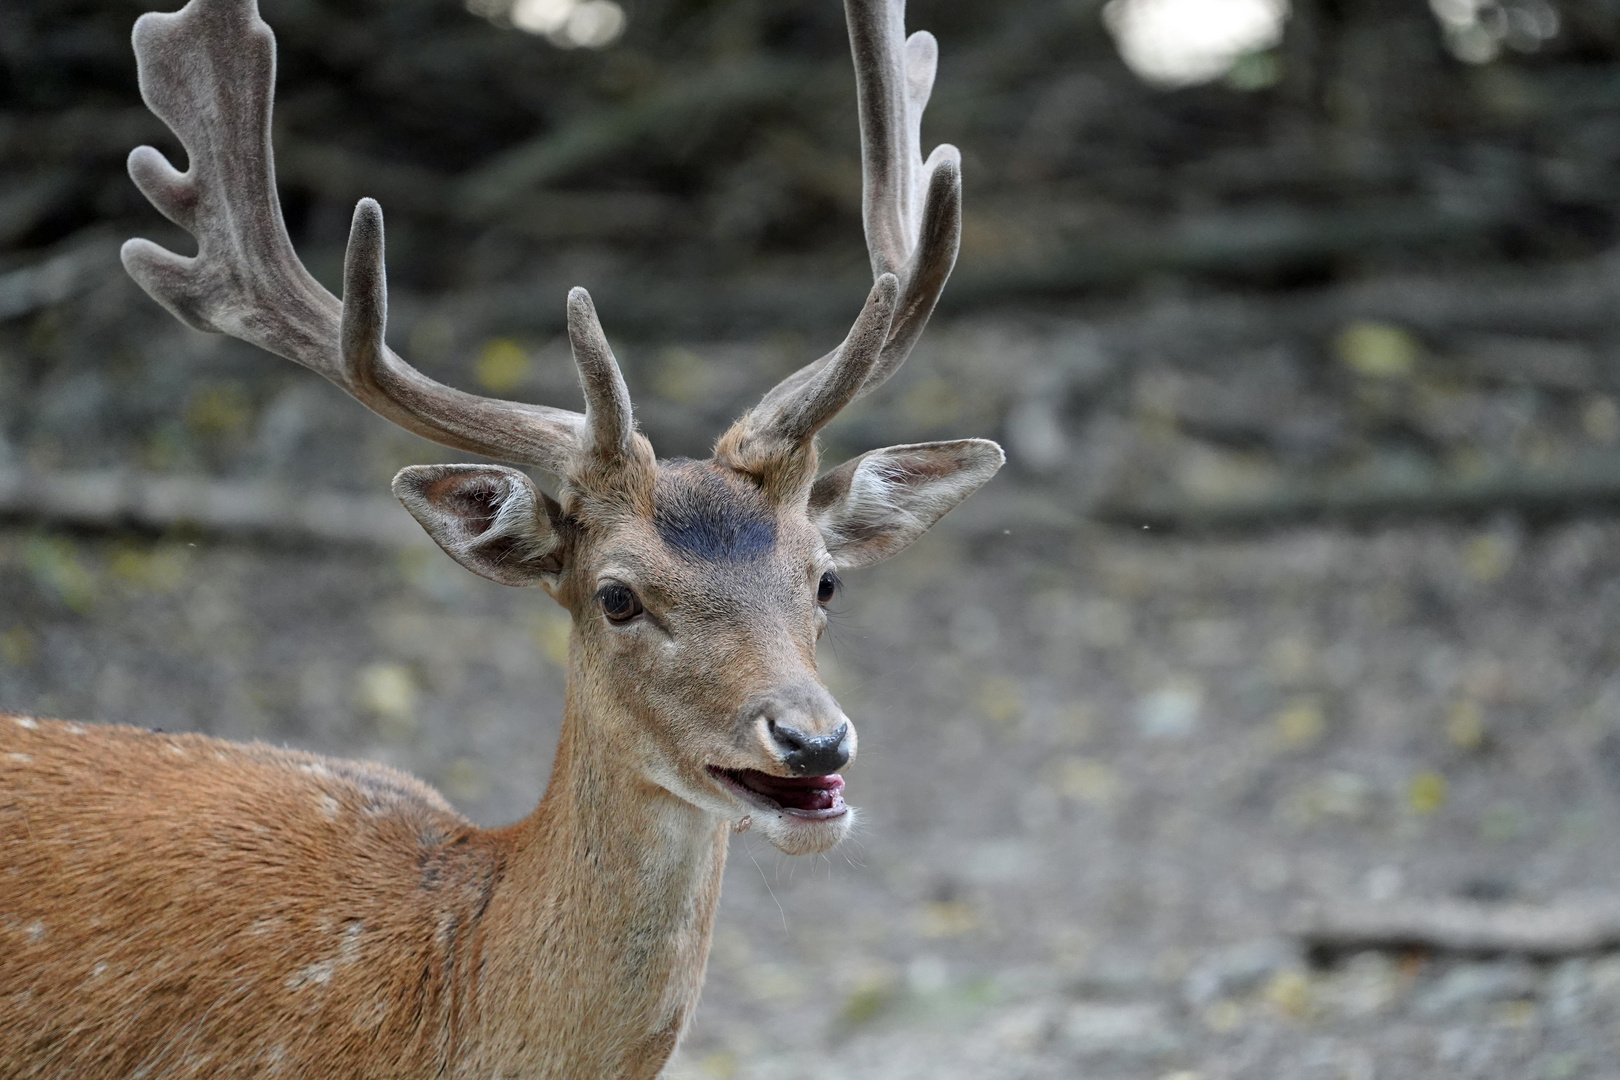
597,935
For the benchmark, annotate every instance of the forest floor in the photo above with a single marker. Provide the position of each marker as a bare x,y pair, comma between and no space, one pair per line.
1101,771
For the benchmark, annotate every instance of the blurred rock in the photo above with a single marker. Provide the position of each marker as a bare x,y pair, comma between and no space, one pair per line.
1370,984
1130,1031
1470,988
1237,970
1172,712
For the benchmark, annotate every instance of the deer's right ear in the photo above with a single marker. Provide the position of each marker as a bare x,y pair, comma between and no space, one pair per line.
869,508
489,518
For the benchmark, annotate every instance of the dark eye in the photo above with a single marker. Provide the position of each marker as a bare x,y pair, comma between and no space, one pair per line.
619,604
828,586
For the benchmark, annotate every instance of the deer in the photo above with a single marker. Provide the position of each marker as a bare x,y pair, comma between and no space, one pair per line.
174,905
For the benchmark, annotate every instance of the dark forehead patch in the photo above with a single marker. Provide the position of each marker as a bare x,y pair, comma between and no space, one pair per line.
711,517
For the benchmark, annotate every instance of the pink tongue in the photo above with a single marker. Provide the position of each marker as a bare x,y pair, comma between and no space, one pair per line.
798,792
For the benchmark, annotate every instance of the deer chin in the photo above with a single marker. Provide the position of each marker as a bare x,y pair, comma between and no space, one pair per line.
799,815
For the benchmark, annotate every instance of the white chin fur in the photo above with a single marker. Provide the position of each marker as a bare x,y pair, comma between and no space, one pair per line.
787,833
797,836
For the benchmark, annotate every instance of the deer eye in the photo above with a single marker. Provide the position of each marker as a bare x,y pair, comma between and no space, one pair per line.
828,586
619,604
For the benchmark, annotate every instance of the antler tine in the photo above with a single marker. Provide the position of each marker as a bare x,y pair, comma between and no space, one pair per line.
797,414
607,400
385,384
208,71
912,209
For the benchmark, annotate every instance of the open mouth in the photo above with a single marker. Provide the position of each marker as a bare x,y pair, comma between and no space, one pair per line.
815,797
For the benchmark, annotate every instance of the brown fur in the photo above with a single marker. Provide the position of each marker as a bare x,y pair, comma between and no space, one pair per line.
176,905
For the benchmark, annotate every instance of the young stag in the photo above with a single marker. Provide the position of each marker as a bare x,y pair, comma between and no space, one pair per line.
177,906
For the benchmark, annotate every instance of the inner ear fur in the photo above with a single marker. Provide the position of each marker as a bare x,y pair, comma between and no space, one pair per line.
489,518
875,505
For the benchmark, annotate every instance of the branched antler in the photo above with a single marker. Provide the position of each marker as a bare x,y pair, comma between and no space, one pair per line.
208,71
912,208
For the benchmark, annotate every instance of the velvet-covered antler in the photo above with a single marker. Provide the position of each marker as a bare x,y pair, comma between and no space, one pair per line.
913,217
208,71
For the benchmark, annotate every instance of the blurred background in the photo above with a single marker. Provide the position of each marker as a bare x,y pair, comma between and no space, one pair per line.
1259,720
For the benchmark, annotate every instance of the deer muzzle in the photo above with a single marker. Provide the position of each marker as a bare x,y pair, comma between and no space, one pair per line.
801,729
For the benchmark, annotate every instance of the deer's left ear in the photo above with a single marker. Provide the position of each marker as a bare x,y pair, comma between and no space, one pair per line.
875,505
489,518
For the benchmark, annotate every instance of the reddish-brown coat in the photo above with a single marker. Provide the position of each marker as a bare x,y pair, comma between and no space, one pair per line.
176,906
245,910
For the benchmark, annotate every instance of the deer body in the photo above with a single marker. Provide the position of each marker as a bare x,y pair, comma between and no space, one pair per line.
176,906
251,911
234,907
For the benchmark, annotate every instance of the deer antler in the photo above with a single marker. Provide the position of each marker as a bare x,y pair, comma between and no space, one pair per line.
208,71
912,209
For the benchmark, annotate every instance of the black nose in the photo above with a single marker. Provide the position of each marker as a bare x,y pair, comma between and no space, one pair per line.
812,755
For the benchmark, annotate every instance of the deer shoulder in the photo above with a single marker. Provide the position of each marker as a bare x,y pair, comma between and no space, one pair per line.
180,897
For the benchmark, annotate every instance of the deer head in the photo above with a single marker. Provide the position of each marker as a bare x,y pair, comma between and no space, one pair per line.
697,588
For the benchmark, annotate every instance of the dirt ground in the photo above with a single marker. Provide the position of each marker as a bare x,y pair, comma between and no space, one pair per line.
1099,770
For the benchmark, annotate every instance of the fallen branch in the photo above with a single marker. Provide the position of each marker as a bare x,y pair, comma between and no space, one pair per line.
123,501
82,263
1587,483
1225,242
76,135
1568,302
1459,926
345,176
675,104
24,205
